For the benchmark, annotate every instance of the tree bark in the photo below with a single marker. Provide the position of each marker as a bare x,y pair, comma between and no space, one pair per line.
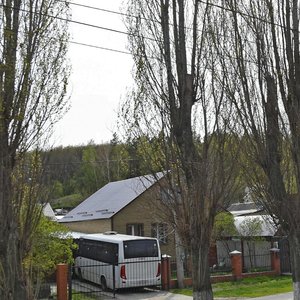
294,242
202,289
179,261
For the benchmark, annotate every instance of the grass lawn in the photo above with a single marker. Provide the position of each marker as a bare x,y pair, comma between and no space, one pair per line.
248,287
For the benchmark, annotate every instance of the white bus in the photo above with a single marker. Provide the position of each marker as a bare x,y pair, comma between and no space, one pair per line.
118,261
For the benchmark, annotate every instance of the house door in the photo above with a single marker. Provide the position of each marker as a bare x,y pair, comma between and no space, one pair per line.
285,262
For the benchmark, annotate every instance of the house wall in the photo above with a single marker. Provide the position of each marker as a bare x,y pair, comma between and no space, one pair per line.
146,210
92,226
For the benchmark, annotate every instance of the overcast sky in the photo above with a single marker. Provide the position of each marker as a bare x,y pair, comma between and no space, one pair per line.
99,78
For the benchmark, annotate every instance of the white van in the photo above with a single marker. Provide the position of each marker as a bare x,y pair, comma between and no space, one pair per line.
118,261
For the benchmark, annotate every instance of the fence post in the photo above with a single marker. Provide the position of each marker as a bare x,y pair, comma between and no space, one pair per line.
275,260
62,281
165,272
236,264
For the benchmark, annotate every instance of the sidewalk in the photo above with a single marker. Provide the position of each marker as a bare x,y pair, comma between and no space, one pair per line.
286,296
151,295
164,295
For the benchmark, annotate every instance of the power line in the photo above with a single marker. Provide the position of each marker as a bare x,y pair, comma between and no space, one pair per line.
242,14
133,16
147,19
79,22
99,47
115,30
98,9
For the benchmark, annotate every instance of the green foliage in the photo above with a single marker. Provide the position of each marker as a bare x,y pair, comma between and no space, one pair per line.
69,201
224,225
251,227
82,170
48,249
120,160
57,189
89,177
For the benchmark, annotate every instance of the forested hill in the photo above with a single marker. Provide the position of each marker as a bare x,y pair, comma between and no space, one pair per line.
72,173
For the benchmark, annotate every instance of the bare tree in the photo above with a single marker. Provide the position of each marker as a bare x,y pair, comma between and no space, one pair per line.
260,61
33,78
177,106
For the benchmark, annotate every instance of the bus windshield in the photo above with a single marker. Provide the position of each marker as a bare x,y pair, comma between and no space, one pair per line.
140,248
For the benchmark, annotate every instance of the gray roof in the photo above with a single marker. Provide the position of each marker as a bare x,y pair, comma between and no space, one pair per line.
239,209
110,199
48,211
267,225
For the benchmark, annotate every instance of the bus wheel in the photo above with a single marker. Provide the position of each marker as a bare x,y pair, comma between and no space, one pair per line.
103,283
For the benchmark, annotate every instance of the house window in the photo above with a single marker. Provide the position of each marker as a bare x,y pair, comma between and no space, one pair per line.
135,229
159,231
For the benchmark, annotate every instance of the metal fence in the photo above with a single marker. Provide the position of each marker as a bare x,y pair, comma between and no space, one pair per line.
102,280
251,263
185,266
257,263
83,281
222,266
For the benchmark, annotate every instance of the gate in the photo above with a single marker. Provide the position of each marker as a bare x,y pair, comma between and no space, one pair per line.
285,262
83,280
101,280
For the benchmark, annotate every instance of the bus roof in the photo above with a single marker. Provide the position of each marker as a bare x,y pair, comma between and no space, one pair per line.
114,237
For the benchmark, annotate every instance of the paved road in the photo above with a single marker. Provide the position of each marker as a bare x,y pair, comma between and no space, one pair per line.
150,294
163,295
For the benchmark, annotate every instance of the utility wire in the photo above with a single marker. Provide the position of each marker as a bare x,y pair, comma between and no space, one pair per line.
99,47
115,30
80,23
99,9
147,19
123,14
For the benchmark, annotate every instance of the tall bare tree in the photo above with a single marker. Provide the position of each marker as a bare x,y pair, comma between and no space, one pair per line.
260,61
33,78
177,106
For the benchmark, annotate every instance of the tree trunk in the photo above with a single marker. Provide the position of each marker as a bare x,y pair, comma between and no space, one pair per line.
15,287
12,287
294,241
179,262
202,289
199,247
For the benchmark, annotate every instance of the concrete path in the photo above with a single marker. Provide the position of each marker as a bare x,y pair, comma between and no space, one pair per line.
150,295
163,295
286,296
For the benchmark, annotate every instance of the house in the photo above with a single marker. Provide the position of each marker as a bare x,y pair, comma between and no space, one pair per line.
256,234
252,220
130,206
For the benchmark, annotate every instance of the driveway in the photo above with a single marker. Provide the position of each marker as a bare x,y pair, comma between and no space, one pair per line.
164,295
151,294
145,294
